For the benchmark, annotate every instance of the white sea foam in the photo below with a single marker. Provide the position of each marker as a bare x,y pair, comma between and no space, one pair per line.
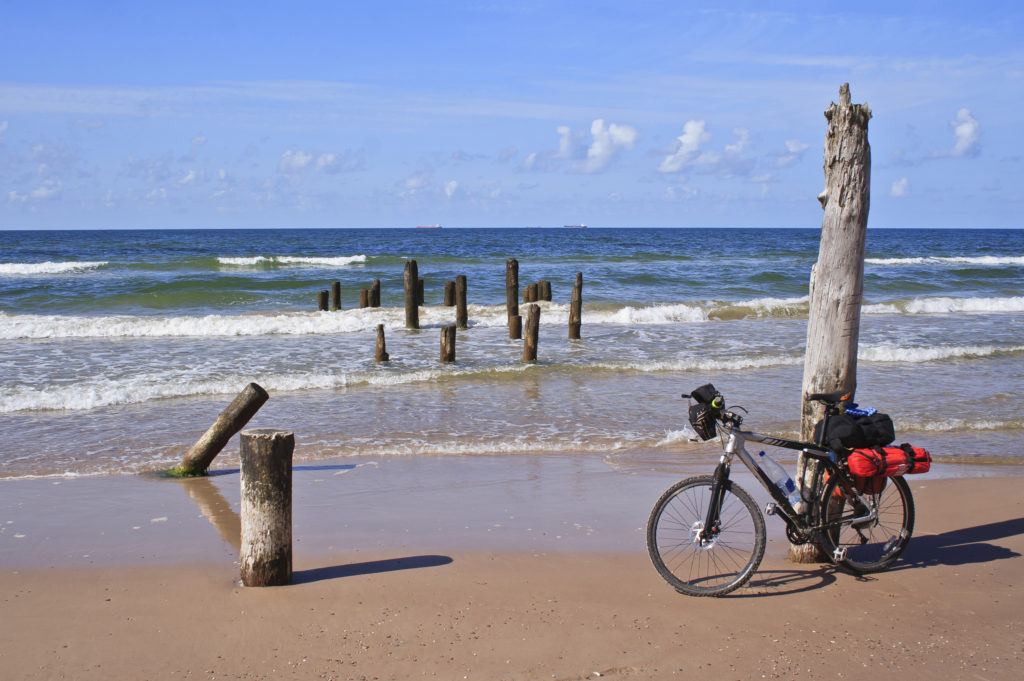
894,353
25,268
737,363
980,260
314,261
946,305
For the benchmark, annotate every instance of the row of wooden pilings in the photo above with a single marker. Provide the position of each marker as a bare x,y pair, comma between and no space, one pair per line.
455,296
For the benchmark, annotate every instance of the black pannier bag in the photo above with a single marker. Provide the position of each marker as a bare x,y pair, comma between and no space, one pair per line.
702,414
856,431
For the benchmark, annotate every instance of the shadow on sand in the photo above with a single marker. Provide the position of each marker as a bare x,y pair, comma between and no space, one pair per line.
372,567
962,547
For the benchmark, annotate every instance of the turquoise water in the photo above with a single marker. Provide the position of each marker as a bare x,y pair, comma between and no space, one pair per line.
120,347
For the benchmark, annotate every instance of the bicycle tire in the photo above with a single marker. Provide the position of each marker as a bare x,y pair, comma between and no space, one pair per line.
874,546
728,561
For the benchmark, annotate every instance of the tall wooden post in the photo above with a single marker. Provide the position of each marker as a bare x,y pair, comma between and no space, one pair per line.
837,279
266,479
531,332
515,327
230,421
420,291
375,293
336,295
449,294
576,308
381,355
461,311
322,300
448,343
412,283
512,288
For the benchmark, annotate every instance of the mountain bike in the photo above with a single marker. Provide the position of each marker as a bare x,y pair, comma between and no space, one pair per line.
706,535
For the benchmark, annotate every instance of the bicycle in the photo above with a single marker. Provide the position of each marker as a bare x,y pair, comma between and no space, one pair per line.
706,535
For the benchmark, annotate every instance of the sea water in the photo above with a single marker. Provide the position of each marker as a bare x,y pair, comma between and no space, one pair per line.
119,348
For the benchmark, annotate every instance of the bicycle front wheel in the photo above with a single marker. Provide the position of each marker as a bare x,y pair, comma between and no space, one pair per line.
872,545
715,565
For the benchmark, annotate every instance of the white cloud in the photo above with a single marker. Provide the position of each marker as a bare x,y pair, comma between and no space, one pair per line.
900,187
189,178
570,144
966,129
609,141
294,161
742,140
794,152
3,126
198,140
686,147
795,146
449,188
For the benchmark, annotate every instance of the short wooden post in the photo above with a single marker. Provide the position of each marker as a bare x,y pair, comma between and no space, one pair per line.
322,300
530,293
544,290
411,281
461,312
449,294
448,343
515,327
266,479
382,353
375,293
420,293
230,421
576,308
336,295
532,331
364,298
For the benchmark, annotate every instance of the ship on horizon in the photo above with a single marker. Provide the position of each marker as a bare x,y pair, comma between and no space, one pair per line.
428,226
579,226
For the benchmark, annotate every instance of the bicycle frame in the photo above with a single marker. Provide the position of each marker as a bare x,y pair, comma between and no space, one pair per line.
799,526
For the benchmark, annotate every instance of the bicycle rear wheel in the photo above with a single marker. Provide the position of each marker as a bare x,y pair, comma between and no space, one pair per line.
716,566
874,545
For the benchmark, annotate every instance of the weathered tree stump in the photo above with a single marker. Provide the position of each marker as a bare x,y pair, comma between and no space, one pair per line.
512,288
230,421
449,294
411,281
544,290
381,355
461,311
266,480
837,279
375,293
336,296
322,300
531,332
515,327
576,308
448,343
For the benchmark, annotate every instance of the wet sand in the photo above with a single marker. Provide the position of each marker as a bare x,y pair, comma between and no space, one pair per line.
481,568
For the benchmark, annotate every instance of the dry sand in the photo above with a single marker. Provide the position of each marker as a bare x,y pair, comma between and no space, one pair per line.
519,601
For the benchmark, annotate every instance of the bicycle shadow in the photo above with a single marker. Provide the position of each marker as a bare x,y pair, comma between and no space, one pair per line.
372,567
767,583
962,547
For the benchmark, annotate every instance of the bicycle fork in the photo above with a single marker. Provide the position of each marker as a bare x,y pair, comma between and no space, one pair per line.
713,522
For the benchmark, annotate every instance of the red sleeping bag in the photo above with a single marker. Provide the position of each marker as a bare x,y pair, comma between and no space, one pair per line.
889,461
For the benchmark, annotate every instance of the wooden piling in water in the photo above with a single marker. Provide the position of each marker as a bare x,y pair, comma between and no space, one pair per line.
449,294
420,289
576,308
230,421
322,300
544,290
461,311
515,327
364,298
411,281
448,343
375,293
531,332
266,482
381,355
512,288
336,296
530,293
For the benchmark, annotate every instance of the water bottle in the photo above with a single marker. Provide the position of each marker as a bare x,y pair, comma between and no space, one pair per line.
781,478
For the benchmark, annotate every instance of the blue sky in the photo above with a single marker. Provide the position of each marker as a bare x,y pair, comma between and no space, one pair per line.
346,114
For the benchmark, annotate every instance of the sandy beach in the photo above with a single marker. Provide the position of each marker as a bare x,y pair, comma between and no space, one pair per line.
489,568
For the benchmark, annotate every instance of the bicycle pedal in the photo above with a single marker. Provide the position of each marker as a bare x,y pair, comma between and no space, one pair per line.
839,555
770,509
